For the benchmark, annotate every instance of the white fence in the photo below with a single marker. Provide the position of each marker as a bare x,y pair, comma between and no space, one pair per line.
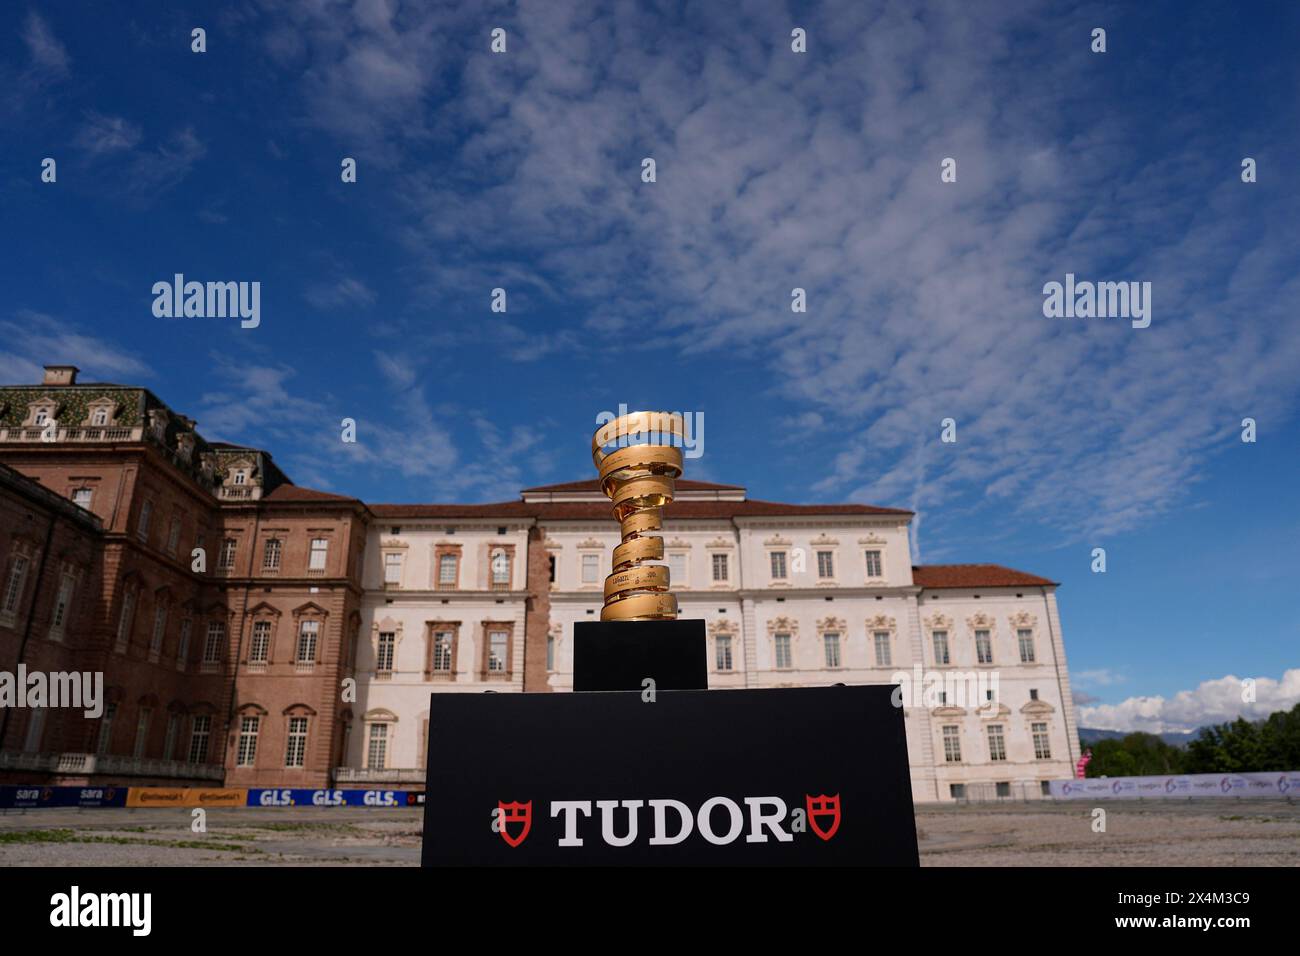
1276,784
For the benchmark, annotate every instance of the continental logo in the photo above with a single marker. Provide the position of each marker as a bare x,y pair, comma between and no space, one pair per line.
185,797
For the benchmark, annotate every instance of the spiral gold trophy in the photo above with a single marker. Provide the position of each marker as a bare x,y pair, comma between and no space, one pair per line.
638,635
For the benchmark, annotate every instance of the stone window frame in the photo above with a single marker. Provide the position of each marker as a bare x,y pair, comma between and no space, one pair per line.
263,613
373,717
1024,621
508,550
727,548
983,622
487,627
127,608
730,630
678,547
585,550
24,547
244,711
1001,729
839,627
432,628
47,404
881,624
386,626
934,624
71,575
162,602
290,714
874,542
782,625
442,549
105,404
309,611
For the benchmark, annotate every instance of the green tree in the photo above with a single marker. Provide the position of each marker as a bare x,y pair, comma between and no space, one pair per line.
1135,755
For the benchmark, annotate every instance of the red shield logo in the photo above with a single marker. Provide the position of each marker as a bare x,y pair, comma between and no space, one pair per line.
520,813
823,806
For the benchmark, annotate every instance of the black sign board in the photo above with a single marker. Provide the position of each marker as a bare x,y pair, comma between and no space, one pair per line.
814,775
621,655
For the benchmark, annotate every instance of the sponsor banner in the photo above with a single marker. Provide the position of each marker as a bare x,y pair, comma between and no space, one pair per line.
295,797
790,776
186,797
35,797
1274,784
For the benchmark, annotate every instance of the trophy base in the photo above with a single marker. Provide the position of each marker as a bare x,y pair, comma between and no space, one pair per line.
619,655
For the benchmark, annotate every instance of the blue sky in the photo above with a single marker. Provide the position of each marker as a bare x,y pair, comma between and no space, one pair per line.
775,170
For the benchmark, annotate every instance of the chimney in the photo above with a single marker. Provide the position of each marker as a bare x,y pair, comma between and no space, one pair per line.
61,375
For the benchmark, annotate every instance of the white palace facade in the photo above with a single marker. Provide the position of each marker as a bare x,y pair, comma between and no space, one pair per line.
472,598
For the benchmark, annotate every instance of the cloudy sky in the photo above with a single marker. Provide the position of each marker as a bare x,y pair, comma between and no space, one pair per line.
774,170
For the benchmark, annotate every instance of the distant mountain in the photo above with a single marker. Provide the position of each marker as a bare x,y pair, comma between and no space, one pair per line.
1091,736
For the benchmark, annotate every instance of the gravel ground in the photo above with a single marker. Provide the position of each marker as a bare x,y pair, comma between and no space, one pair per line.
1211,833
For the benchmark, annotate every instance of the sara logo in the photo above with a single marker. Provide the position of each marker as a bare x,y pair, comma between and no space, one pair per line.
767,815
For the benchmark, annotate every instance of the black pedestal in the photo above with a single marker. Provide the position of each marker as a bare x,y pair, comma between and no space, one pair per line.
620,655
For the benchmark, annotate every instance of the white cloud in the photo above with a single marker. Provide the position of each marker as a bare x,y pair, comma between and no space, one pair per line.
32,340
1213,702
47,52
101,134
347,291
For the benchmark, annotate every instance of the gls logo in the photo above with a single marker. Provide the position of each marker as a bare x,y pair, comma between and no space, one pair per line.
820,813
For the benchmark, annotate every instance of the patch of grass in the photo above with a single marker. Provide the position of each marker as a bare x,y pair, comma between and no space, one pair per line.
71,836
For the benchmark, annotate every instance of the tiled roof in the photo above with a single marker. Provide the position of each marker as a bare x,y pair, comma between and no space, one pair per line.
587,510
299,493
974,576
685,484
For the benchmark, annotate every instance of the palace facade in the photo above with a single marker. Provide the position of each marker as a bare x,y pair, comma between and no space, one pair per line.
259,633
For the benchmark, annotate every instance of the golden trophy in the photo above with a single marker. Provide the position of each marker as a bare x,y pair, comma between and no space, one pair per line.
638,641
639,479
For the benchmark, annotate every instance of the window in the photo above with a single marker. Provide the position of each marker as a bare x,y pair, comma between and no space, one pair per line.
124,621
183,645
241,477
377,750
951,744
319,552
957,791
83,497
983,647
720,571
832,642
14,586
1045,787
677,568
393,568
447,570
500,570
442,652
550,652
1042,745
295,752
35,731
173,536
783,660
1033,693
384,653
497,649
169,742
212,644
247,752
260,649
551,562
226,557
997,744
42,416
200,731
825,564
99,417
307,634
883,658
591,568
875,568
142,732
778,565
142,526
940,647
722,651
271,555
106,729
1025,637
159,631
1002,788
61,602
